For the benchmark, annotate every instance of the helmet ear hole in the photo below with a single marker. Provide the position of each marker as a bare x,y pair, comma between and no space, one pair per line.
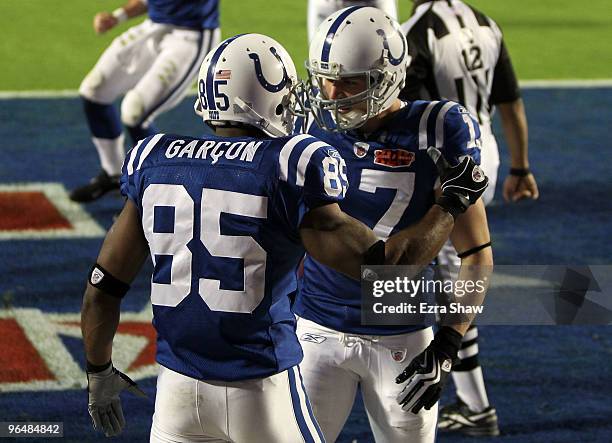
279,109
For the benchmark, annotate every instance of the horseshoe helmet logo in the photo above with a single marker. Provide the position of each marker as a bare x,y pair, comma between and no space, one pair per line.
393,60
262,79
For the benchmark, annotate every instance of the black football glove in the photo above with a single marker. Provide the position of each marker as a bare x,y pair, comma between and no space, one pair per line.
461,185
427,372
104,404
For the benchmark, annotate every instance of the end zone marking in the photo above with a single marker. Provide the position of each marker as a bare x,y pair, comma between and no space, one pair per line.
83,225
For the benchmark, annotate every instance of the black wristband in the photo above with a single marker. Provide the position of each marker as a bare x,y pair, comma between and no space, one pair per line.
520,172
103,280
92,369
448,341
473,250
375,255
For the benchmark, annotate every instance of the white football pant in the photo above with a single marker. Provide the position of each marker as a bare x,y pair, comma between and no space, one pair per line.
269,410
335,365
319,10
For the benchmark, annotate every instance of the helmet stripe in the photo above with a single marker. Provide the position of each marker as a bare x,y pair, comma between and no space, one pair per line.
210,92
332,31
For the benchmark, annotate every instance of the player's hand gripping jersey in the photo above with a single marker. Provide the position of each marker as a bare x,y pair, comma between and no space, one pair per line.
392,186
226,245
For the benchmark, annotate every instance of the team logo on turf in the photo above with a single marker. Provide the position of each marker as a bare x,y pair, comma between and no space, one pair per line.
313,338
398,355
96,276
477,174
361,149
393,158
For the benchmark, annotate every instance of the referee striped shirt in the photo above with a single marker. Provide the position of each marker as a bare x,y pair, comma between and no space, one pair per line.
458,53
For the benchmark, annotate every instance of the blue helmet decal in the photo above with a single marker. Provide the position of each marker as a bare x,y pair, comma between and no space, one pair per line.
332,31
260,76
393,60
210,91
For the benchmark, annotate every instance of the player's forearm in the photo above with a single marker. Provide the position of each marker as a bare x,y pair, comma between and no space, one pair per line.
420,243
476,268
340,245
99,321
514,122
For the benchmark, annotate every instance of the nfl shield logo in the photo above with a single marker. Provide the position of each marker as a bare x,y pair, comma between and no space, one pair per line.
96,276
398,355
360,149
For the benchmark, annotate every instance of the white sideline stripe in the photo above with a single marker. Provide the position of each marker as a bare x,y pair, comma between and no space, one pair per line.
527,84
569,83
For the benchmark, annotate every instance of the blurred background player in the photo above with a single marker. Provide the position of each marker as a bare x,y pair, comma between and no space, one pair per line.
153,64
458,53
357,67
226,219
319,10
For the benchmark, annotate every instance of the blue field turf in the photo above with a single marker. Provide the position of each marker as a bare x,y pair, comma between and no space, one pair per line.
550,384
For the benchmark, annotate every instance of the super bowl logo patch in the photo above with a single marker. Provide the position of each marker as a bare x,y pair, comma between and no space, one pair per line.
398,355
393,158
360,149
96,276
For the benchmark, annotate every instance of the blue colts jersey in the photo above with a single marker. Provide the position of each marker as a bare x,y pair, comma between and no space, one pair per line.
221,216
392,186
194,14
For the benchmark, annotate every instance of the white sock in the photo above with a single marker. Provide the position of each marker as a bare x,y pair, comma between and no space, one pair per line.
111,153
471,389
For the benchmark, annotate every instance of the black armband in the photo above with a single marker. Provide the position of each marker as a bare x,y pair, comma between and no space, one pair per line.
103,280
473,250
520,172
375,255
92,369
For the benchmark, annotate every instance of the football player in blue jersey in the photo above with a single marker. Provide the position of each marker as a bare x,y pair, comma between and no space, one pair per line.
226,220
152,65
357,67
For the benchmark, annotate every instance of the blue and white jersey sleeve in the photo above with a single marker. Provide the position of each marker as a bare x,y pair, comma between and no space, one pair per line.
461,134
311,173
132,167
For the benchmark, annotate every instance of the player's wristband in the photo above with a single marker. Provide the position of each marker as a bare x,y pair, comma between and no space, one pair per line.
520,172
103,280
120,14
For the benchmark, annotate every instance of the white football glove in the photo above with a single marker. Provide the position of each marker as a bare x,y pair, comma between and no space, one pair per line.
104,404
427,372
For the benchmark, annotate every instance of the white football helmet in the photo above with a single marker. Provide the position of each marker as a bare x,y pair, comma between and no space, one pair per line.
248,79
356,41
